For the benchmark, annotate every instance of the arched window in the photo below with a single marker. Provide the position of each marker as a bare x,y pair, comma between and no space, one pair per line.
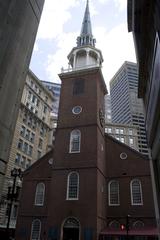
36,229
136,192
73,186
113,193
114,224
39,196
138,224
75,141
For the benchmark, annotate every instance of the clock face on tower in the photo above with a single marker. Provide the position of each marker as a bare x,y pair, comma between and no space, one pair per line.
101,117
77,109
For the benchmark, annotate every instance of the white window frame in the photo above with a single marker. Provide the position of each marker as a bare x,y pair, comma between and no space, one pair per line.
68,184
39,233
131,189
109,194
36,194
71,140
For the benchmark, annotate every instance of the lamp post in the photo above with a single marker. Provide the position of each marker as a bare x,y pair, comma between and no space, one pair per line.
13,193
127,226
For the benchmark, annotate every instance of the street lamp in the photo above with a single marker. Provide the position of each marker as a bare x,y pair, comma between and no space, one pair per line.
13,193
127,225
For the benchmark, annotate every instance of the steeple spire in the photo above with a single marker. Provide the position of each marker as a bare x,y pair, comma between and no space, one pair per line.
86,37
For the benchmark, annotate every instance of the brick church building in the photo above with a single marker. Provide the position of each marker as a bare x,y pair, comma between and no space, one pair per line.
90,186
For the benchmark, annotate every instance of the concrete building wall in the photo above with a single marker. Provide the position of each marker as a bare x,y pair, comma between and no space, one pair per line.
124,133
19,22
32,133
126,107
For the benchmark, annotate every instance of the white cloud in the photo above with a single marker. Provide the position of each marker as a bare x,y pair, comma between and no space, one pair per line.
121,4
116,46
54,16
36,47
59,59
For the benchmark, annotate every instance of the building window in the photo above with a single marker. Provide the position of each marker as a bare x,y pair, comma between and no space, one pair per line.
121,131
27,136
136,192
138,224
30,149
117,130
22,131
75,141
73,186
38,154
40,143
28,163
114,224
131,141
78,87
130,132
20,144
36,229
109,130
39,196
122,139
113,192
25,147
17,159
23,161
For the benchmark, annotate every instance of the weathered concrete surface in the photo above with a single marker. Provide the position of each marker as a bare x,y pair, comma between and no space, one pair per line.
19,20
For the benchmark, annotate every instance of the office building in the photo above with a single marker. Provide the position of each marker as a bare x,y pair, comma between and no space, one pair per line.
144,22
126,107
107,104
19,22
124,133
55,88
32,137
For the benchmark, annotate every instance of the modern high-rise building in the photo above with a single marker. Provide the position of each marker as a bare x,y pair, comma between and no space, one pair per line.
55,88
19,22
107,105
32,137
126,107
124,133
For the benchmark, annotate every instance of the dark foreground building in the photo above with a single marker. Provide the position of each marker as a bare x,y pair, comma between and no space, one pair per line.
19,20
144,22
91,186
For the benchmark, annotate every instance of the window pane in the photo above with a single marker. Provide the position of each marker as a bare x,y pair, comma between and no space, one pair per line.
40,190
78,86
114,193
75,141
73,186
36,227
136,192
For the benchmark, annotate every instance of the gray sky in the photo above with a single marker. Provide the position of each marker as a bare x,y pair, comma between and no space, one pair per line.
61,24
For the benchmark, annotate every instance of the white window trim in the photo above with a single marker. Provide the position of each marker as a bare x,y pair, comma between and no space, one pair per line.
70,144
109,199
39,229
67,197
132,203
39,204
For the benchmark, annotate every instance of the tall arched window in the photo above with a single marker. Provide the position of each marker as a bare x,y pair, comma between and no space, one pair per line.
39,196
75,141
136,192
73,186
113,193
36,229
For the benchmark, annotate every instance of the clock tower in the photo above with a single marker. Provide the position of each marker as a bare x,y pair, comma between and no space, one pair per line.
77,202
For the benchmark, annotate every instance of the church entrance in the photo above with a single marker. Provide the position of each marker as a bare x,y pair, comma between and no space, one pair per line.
71,229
